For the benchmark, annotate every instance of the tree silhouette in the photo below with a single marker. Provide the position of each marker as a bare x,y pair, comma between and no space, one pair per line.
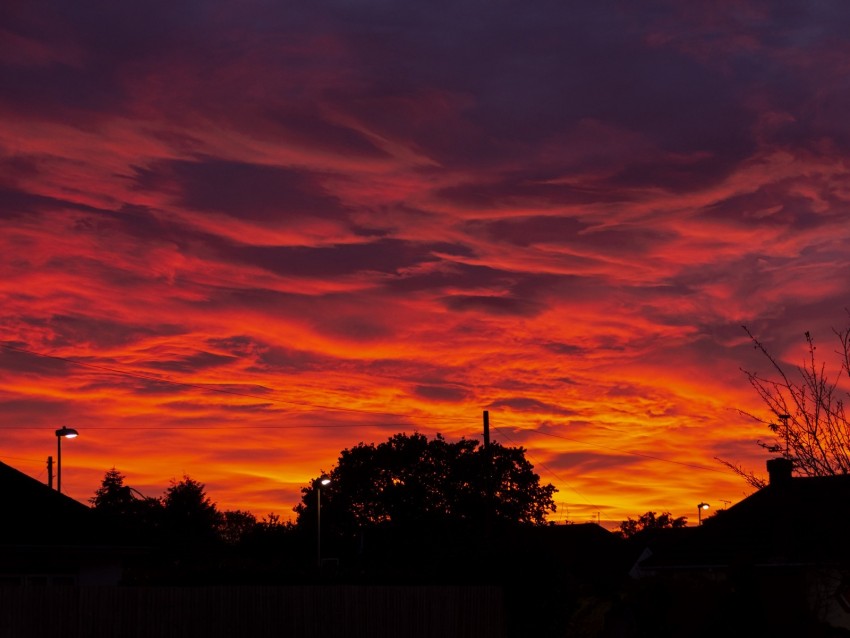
139,516
808,421
189,517
650,521
113,496
413,484
267,532
235,525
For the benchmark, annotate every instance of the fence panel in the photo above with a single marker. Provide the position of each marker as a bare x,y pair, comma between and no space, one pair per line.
343,611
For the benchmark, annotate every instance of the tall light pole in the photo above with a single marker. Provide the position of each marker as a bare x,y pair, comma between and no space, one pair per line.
62,433
324,480
700,507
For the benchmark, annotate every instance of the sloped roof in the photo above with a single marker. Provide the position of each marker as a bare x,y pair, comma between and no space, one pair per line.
797,521
38,515
805,519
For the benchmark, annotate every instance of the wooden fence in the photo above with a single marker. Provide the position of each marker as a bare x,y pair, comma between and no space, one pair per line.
253,612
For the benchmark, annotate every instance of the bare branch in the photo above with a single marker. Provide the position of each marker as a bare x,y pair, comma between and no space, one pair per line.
815,432
755,481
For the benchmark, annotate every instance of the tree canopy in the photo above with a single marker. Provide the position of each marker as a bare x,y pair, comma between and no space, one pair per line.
140,516
650,521
184,514
189,515
113,496
426,500
411,480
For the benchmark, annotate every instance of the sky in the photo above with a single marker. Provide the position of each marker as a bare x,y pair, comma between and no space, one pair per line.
239,238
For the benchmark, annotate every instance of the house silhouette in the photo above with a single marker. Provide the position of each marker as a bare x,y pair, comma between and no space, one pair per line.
780,556
48,538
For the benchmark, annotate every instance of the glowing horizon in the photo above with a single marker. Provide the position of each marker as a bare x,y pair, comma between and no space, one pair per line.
240,239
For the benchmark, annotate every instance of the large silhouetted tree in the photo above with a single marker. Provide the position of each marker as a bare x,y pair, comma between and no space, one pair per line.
805,404
411,482
189,516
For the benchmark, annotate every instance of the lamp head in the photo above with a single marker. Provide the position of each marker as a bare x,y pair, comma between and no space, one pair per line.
67,433
324,480
703,506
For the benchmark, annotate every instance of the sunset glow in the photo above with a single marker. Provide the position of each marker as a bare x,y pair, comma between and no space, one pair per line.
239,238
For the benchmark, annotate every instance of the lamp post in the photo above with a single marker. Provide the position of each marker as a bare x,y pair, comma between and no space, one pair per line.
62,433
700,507
324,480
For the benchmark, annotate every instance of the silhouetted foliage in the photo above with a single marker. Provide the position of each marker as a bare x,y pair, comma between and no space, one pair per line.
272,521
188,515
808,419
113,496
424,493
188,540
650,521
140,516
236,525
274,551
267,532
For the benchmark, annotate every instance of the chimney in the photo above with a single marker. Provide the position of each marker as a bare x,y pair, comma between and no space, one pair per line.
780,471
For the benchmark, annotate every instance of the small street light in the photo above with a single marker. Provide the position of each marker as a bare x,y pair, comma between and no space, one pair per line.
324,480
700,507
62,433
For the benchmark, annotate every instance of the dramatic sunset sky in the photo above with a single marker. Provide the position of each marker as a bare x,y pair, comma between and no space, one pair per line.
240,237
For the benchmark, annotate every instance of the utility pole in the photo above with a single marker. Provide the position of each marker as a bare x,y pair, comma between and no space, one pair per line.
486,430
50,472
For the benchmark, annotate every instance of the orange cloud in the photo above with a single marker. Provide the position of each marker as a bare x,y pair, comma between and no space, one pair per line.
234,245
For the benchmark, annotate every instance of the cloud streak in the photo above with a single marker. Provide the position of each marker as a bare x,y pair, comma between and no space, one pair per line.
237,240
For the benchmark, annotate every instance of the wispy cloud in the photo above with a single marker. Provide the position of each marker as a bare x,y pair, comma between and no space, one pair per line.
239,239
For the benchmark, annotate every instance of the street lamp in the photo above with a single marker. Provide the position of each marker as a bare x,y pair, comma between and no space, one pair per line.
700,507
324,480
62,433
